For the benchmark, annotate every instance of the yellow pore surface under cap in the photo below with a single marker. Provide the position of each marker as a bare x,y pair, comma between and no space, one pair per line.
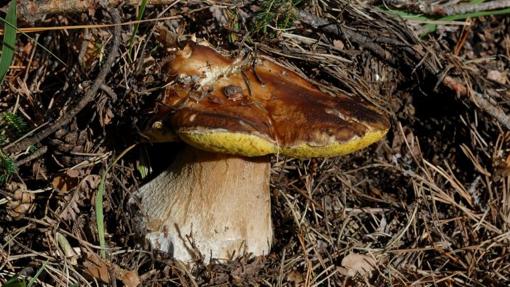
252,145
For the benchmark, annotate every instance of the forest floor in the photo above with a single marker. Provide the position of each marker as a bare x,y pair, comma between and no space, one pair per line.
427,205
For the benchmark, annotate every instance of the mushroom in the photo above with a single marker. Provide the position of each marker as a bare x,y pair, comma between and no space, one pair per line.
214,199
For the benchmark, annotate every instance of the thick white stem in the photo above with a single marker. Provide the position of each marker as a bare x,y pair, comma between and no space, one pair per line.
218,205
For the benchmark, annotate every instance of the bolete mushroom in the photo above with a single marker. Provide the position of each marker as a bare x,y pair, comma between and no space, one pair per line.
233,113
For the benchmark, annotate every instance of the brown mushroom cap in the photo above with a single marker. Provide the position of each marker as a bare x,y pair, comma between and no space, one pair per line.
229,105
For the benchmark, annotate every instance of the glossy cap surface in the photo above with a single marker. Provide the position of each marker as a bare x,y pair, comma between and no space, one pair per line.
252,109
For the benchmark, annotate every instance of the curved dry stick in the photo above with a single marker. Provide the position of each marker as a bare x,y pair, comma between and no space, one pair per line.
89,96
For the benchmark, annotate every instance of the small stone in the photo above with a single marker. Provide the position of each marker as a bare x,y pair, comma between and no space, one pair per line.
497,76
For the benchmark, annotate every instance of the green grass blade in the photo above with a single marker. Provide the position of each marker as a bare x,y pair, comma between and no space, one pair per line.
39,272
100,215
135,28
9,41
99,204
35,41
429,28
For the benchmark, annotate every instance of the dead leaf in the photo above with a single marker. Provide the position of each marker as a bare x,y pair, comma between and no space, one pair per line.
107,116
90,183
39,170
73,173
64,183
102,269
502,167
69,252
129,278
295,277
73,201
354,264
71,206
96,267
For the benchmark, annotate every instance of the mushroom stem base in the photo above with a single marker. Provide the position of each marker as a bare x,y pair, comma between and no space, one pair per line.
209,205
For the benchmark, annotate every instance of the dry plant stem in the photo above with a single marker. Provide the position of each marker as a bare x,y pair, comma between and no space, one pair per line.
218,205
446,10
331,28
491,109
483,103
35,155
34,10
463,8
89,96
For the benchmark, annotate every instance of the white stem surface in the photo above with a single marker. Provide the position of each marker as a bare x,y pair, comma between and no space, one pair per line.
218,205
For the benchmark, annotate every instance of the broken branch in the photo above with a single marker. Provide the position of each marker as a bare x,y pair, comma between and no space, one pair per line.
34,10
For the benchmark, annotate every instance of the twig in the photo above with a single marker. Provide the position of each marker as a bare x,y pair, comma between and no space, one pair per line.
32,11
491,109
484,104
11,145
26,31
463,8
109,91
332,28
89,96
36,154
447,10
370,43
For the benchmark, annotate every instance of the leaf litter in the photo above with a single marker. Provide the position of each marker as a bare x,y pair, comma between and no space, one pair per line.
427,205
